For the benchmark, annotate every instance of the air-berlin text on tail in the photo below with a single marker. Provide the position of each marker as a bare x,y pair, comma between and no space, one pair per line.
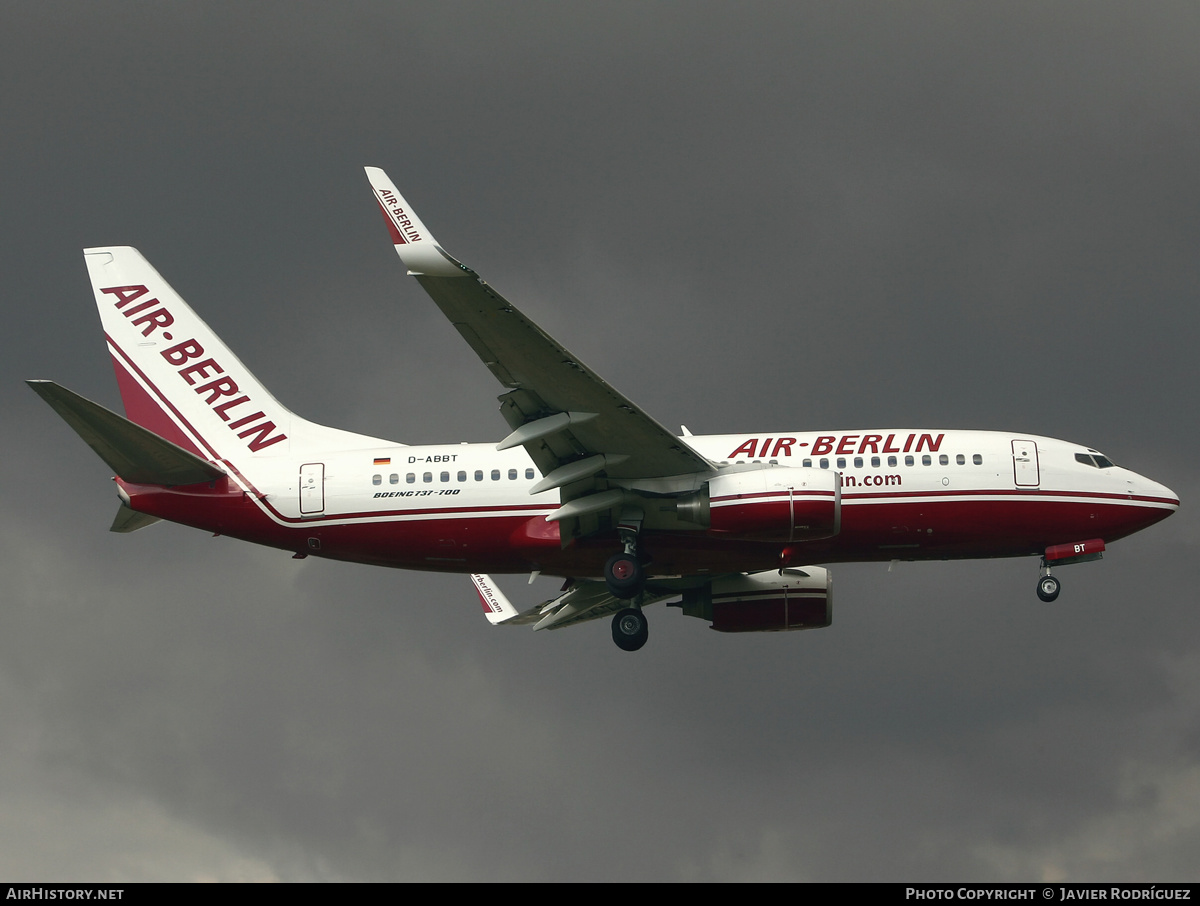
839,445
392,204
221,393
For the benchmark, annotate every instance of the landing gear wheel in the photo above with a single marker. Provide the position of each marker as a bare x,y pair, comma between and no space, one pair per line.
624,576
630,629
1047,588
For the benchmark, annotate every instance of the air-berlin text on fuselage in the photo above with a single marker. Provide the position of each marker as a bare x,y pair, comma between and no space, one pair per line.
398,214
217,393
839,445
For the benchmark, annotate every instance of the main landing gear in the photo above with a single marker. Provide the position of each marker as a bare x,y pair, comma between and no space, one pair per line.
630,629
623,573
626,580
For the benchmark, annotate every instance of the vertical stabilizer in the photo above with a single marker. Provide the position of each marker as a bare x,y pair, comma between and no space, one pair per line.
179,380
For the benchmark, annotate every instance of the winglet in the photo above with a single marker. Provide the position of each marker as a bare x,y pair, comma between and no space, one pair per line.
414,243
496,606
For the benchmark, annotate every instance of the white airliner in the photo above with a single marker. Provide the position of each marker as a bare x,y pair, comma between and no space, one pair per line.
585,486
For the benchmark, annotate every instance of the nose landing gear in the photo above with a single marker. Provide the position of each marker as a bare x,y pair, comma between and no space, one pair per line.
1048,588
1061,555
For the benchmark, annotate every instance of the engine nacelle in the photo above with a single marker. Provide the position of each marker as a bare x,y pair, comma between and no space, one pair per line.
766,601
779,503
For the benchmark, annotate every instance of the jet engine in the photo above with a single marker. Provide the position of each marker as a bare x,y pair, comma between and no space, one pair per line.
768,601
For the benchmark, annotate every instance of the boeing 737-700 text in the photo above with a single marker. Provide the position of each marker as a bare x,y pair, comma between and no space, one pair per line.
585,486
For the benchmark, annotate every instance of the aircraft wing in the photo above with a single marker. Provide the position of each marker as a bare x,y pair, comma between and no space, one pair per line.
584,600
578,430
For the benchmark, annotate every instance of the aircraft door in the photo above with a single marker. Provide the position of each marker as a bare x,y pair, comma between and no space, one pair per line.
1025,464
312,488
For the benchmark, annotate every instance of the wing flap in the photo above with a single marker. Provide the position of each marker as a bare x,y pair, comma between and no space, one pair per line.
583,601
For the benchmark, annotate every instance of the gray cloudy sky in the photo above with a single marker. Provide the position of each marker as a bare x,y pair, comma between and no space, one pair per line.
747,217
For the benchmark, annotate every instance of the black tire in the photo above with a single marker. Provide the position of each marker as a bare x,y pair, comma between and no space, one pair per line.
624,576
1048,588
630,629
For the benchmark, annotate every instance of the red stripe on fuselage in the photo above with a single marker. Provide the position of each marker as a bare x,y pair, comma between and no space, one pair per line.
508,539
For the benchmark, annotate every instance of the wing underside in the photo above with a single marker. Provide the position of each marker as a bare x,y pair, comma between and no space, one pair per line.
580,602
587,439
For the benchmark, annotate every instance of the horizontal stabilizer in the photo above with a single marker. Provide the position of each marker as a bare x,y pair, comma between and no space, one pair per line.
128,520
132,452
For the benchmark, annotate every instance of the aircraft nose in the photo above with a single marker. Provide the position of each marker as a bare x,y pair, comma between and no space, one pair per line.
1166,494
1155,494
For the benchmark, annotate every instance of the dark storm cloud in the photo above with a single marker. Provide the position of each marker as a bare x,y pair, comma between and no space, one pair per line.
747,218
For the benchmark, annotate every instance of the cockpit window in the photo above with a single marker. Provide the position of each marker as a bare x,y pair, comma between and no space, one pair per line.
1095,460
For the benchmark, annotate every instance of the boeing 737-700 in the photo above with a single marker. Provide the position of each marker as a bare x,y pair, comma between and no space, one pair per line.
585,485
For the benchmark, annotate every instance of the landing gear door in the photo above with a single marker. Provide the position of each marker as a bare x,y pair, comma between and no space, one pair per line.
1025,464
312,488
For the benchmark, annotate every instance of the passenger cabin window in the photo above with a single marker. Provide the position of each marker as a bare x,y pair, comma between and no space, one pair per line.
807,464
858,462
393,478
529,473
824,463
512,474
479,474
462,476
908,460
977,459
445,476
411,477
495,474
926,459
960,459
841,462
376,479
427,477
944,460
892,461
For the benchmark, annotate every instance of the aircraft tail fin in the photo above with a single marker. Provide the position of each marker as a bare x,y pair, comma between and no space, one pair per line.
180,381
134,453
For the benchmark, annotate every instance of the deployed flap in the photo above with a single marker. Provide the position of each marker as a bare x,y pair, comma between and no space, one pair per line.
583,601
543,378
132,452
